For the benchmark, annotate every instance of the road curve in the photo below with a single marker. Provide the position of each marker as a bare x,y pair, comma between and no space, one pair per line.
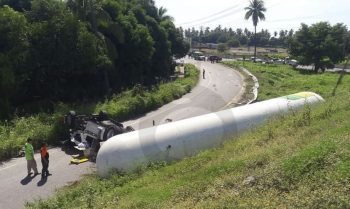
220,89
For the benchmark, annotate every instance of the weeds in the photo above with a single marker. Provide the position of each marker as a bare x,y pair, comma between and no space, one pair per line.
308,161
305,118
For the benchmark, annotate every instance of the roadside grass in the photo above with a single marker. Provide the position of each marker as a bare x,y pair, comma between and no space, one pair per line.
49,128
139,100
296,161
278,80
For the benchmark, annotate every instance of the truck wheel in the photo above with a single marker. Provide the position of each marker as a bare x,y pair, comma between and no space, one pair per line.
111,131
129,129
95,147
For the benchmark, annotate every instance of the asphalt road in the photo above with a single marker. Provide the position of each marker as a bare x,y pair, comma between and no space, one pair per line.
16,189
220,89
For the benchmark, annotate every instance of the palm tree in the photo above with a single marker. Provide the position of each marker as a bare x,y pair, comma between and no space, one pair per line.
162,15
255,10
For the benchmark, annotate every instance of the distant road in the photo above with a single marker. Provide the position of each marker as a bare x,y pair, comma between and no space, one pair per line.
220,89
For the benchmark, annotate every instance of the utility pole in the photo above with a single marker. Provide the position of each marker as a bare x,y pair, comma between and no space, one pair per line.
200,37
342,73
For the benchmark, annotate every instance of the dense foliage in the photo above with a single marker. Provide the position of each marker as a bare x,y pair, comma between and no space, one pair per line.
320,44
79,50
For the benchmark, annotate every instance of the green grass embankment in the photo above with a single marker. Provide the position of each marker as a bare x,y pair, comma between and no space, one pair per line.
296,161
279,80
49,127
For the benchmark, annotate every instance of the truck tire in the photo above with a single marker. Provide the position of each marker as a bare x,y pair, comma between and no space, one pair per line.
112,131
129,129
95,147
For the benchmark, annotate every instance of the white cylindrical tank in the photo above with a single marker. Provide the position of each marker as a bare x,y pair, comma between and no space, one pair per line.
176,140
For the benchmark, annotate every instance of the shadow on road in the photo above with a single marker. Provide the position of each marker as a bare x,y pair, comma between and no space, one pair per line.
42,182
26,180
69,150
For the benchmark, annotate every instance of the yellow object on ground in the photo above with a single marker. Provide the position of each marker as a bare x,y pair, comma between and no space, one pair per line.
79,160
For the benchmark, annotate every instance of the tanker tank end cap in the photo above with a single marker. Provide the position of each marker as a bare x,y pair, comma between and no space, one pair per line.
302,95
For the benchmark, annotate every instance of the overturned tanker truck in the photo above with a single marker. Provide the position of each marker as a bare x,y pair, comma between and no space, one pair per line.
177,140
87,131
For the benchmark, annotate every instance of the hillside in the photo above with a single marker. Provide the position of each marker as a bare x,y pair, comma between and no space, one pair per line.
296,161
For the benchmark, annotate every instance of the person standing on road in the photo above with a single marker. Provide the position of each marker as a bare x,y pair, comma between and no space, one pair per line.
44,161
29,154
203,73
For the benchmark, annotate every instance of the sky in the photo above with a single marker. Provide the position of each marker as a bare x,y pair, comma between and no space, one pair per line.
280,14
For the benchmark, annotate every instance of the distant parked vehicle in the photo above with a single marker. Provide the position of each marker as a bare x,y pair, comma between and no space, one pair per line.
268,61
200,58
256,59
279,61
293,63
214,58
197,54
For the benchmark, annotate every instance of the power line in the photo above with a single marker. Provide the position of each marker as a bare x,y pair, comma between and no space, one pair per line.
226,15
213,15
293,19
217,18
243,18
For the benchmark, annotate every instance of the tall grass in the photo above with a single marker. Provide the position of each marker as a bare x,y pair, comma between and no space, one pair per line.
296,161
49,127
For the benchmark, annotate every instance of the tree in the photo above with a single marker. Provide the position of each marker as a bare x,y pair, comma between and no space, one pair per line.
13,37
179,47
162,15
46,46
255,11
91,11
18,5
61,51
233,42
320,44
222,48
